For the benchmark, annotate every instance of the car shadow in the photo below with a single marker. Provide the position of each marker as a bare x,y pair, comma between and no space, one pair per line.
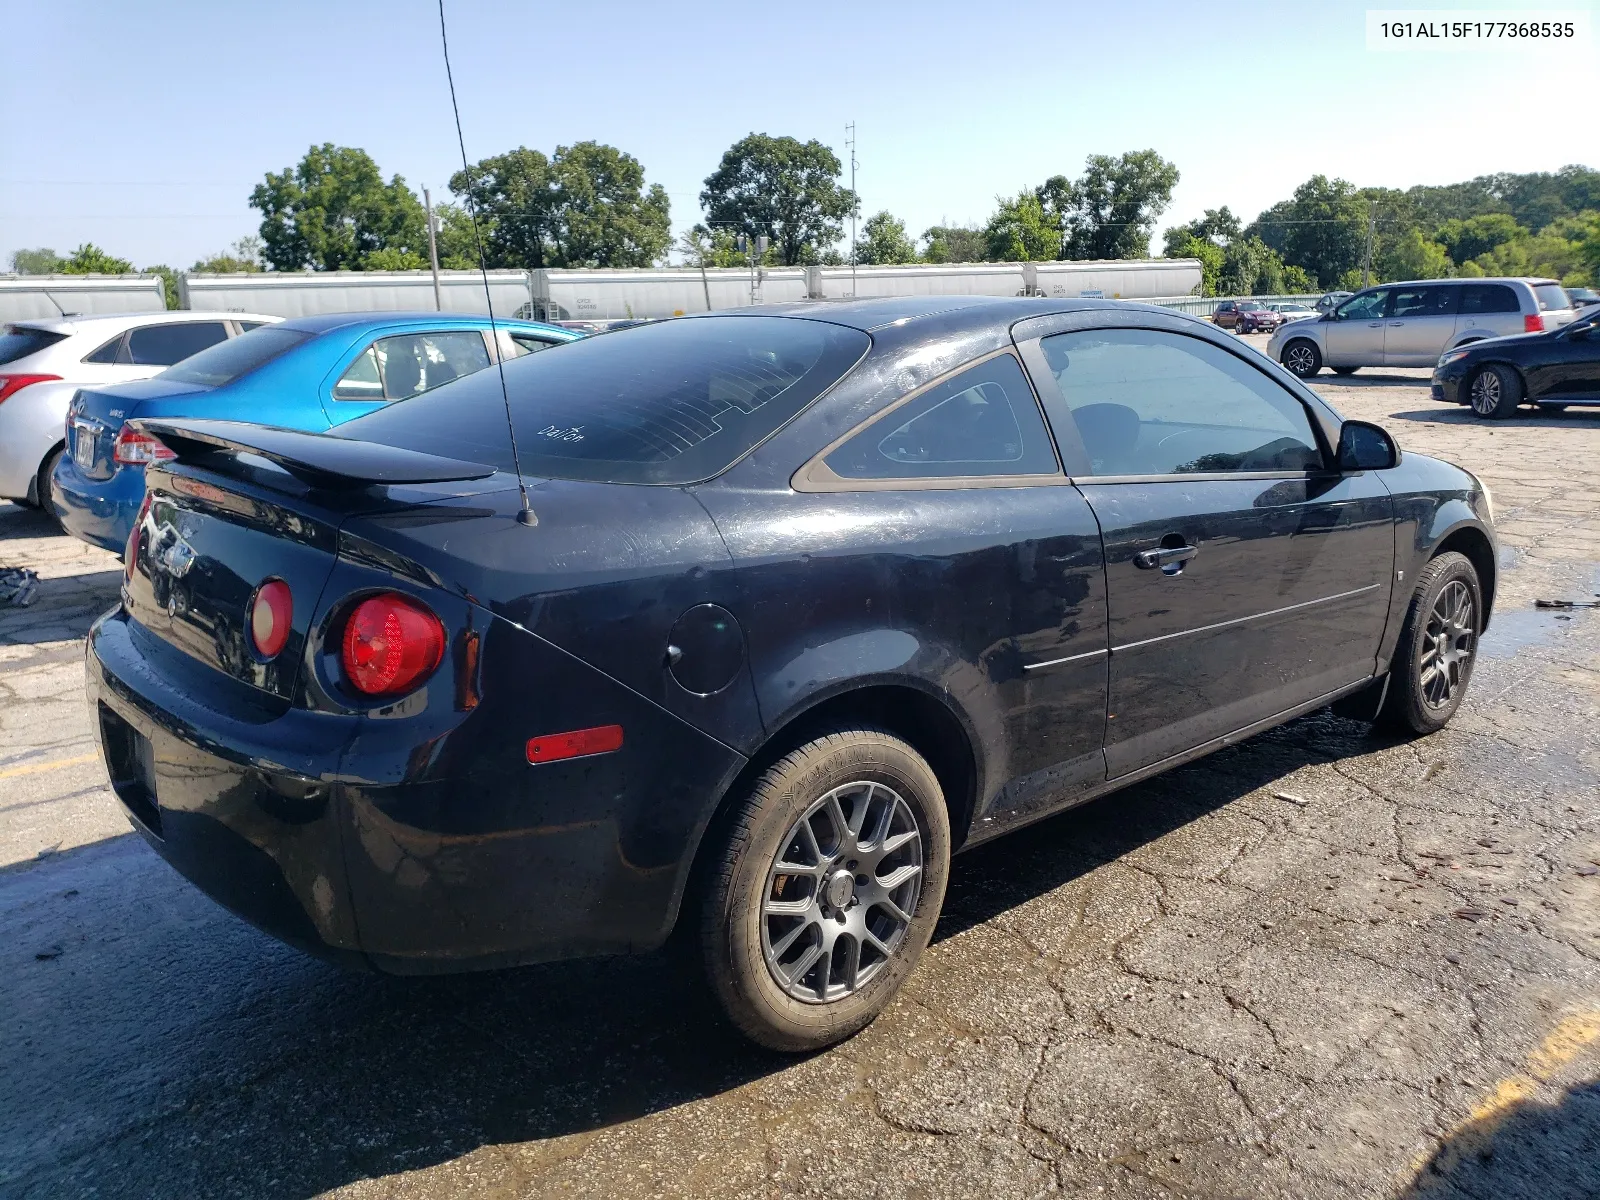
1452,414
175,1048
1529,1151
1367,379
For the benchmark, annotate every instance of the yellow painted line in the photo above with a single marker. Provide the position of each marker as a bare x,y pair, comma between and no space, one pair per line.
53,765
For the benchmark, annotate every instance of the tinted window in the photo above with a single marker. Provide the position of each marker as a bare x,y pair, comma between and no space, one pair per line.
1152,403
1488,298
522,343
18,341
163,345
247,326
1367,306
1436,301
1551,295
408,364
670,403
984,421
237,357
107,353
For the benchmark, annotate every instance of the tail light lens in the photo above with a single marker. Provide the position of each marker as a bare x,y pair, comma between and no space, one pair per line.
135,449
271,617
11,384
1533,323
391,644
130,552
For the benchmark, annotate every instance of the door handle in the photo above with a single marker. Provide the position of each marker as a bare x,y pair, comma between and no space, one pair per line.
1374,324
1396,324
1164,557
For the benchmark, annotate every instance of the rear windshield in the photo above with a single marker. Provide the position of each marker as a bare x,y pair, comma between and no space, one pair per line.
668,403
19,341
1551,295
235,358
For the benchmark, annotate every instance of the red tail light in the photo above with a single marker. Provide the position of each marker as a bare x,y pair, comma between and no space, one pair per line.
391,644
135,449
10,384
130,553
1533,323
271,617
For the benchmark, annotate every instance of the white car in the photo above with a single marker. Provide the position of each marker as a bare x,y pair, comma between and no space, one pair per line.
44,361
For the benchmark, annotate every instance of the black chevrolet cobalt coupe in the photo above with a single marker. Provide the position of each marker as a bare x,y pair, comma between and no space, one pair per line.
802,601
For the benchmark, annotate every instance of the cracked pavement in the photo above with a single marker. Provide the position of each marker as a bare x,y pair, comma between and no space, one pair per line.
1321,963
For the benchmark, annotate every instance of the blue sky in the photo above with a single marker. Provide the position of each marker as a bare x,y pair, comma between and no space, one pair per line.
143,127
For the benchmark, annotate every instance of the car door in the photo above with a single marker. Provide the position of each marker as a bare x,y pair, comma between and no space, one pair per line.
1353,336
1420,324
1565,366
1245,577
1488,310
399,365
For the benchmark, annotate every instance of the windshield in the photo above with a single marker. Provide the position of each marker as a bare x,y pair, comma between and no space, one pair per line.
1551,295
226,361
669,403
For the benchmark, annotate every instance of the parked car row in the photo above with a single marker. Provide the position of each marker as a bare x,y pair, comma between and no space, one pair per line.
799,603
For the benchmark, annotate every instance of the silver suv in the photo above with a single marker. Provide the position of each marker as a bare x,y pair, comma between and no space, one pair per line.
1411,324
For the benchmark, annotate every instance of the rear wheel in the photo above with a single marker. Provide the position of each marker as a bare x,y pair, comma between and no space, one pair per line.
1302,358
1433,662
42,485
1495,392
827,890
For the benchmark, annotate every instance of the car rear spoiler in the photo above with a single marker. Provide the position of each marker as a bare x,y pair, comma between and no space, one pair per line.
320,459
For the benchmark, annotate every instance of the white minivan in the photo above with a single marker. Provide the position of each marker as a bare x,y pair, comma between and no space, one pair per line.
1411,324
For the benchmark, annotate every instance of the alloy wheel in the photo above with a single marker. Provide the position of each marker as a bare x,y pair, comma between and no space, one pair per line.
1299,359
841,892
1448,643
1485,393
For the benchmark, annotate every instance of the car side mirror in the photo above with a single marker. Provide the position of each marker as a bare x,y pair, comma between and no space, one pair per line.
1366,447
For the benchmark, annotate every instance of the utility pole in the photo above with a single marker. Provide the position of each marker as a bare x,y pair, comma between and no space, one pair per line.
756,248
1366,265
855,203
433,250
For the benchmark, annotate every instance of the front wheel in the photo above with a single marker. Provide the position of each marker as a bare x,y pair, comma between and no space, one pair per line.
1302,358
827,889
1495,392
1433,662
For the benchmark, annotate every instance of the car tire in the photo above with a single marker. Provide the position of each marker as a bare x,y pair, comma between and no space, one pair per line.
1494,392
1301,357
1432,663
42,485
1345,370
803,979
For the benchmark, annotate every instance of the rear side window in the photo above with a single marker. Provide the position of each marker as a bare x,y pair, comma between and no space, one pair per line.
983,421
1436,301
522,343
110,353
1551,295
236,357
163,345
668,403
1147,402
19,341
406,365
1488,298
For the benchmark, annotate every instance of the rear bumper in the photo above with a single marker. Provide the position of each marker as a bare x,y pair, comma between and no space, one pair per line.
100,512
416,844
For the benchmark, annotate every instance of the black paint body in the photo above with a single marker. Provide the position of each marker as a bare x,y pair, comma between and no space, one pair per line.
1561,366
1002,629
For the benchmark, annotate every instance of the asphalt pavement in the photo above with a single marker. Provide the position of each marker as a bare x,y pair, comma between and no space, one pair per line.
1322,963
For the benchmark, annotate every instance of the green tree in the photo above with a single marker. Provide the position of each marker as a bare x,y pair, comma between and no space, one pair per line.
783,188
953,244
1296,281
1464,239
1111,210
1218,225
1022,231
586,206
243,257
458,248
333,211
169,283
89,259
1322,229
1414,256
1211,258
1251,268
883,240
36,262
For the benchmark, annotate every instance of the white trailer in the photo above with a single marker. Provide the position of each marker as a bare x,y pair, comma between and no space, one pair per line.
623,294
305,293
26,296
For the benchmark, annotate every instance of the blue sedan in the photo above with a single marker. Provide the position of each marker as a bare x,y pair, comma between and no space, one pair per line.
310,373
